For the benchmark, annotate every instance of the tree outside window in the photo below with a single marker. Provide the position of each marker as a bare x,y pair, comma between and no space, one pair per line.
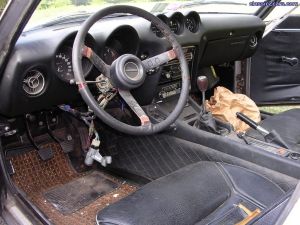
2,5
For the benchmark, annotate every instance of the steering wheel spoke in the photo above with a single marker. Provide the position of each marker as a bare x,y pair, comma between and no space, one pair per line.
159,60
96,60
136,108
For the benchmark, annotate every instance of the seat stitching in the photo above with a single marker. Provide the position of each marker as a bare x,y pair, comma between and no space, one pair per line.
257,175
238,191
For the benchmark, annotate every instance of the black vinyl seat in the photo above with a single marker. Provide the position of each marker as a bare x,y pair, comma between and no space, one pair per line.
201,193
286,124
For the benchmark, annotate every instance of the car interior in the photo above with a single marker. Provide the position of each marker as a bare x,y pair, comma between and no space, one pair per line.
105,122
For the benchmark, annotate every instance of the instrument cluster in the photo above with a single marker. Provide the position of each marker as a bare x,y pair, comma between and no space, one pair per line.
178,22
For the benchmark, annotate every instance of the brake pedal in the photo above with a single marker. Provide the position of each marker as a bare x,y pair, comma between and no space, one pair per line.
66,145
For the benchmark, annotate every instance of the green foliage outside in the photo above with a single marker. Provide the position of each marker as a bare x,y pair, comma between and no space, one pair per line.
2,5
277,109
45,4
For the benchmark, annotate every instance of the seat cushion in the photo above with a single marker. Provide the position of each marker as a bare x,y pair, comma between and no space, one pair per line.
199,193
286,124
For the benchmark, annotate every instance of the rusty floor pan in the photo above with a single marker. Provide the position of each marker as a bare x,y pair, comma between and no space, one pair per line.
79,193
36,177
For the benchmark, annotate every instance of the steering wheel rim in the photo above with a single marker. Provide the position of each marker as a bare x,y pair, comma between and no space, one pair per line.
86,94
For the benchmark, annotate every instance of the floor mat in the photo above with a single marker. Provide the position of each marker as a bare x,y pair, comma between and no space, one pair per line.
35,177
79,193
153,156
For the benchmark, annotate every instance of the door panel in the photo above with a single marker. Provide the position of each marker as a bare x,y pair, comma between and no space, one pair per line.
275,67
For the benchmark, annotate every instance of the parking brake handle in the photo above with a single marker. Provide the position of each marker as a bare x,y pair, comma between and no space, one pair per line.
252,124
270,137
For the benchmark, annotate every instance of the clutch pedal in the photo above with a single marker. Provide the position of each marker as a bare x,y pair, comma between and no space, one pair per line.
44,153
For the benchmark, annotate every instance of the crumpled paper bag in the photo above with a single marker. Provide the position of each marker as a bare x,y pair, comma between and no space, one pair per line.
224,105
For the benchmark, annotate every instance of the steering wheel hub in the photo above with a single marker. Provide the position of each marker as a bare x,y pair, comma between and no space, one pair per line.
127,72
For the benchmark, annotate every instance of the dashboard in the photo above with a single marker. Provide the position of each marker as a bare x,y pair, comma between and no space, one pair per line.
39,74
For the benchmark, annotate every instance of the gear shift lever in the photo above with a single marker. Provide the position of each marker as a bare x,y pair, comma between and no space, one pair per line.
206,121
202,83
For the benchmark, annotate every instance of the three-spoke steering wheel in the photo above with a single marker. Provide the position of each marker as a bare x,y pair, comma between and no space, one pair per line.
128,72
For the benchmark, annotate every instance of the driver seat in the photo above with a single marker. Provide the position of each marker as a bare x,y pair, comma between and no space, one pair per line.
201,193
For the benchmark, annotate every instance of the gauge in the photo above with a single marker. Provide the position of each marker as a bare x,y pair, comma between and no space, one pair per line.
63,64
109,55
192,22
154,29
175,25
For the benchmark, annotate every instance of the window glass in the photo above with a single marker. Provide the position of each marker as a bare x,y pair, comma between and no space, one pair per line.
50,10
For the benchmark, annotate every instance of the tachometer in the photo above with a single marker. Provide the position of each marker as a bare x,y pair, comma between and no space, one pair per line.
63,64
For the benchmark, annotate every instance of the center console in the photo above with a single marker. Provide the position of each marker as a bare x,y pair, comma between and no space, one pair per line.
170,81
169,89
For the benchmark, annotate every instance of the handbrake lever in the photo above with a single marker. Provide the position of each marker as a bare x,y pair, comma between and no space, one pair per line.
252,124
270,137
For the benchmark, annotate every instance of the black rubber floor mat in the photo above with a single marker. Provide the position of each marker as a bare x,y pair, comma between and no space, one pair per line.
79,193
152,156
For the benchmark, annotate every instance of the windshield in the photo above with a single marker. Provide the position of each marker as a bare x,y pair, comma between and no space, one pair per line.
51,10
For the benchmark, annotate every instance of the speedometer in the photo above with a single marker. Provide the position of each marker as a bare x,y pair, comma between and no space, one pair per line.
63,64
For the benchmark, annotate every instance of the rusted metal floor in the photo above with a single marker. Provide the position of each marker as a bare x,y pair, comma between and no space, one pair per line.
35,177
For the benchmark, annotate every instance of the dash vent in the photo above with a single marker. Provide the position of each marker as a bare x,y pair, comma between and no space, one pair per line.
34,82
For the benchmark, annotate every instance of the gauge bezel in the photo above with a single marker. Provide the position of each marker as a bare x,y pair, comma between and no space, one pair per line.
45,81
155,30
194,16
66,46
179,18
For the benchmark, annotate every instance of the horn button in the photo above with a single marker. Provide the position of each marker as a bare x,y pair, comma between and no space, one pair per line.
127,72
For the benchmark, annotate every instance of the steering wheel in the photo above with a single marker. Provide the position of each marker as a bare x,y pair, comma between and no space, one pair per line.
128,72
